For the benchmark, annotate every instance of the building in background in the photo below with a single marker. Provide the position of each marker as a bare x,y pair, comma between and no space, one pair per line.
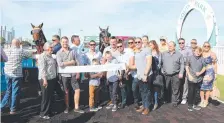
59,32
1,31
8,35
89,38
4,32
13,33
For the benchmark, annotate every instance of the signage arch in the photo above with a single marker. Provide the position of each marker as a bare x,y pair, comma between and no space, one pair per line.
205,9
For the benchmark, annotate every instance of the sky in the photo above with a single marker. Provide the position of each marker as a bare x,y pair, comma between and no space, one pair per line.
154,18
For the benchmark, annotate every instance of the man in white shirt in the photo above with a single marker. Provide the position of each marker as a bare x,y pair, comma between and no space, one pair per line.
125,56
112,48
92,53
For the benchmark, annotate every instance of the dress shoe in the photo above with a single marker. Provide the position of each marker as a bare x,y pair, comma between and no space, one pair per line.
145,112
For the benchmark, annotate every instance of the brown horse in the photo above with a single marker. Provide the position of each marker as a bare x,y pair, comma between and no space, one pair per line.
38,37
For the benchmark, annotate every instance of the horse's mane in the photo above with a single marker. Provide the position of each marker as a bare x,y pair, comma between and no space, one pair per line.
43,36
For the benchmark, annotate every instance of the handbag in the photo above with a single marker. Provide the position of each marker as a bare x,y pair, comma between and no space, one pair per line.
158,80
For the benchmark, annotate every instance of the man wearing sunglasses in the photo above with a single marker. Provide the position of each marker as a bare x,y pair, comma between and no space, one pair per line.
92,53
133,79
125,56
186,52
56,43
193,44
143,63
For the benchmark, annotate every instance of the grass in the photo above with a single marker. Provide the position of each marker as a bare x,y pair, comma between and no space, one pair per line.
220,84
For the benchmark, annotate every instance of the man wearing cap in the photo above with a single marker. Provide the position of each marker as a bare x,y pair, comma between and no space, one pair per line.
186,52
163,44
163,47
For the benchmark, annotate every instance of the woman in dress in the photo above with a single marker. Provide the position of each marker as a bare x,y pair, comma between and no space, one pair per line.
210,74
156,85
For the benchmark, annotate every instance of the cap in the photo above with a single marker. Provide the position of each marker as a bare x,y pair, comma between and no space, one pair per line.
163,37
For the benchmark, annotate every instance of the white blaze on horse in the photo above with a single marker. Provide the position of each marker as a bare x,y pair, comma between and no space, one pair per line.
38,37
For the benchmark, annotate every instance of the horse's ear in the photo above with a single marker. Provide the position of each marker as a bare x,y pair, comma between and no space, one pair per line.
100,28
32,25
107,28
41,25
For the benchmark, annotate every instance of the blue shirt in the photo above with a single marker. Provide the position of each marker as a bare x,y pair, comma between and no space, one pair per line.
81,57
56,48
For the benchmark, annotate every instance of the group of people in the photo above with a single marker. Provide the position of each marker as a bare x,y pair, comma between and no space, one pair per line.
155,73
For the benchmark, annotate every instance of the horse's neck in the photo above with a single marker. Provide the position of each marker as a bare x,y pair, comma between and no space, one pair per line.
42,41
43,37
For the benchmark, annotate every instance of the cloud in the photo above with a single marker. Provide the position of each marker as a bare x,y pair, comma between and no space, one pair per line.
125,17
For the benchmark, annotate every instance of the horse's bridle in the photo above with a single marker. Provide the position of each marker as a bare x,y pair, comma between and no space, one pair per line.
38,42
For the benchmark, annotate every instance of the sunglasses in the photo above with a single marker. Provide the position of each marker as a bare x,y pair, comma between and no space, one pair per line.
53,39
181,42
119,46
130,42
138,42
193,43
206,46
162,40
92,44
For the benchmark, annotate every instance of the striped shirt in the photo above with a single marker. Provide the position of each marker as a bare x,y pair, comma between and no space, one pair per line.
15,55
47,66
4,58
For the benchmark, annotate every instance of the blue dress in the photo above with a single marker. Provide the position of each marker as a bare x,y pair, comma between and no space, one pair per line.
209,77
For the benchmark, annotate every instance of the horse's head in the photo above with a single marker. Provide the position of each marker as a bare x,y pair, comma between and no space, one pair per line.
104,34
38,37
36,32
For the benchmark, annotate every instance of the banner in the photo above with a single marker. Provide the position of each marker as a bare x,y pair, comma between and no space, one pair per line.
92,68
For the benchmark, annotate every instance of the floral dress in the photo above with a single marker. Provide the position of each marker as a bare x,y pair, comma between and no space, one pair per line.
209,77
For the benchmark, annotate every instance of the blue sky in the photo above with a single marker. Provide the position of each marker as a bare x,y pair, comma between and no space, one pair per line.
125,17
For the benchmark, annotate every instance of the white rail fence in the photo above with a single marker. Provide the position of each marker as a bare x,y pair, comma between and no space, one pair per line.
219,50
